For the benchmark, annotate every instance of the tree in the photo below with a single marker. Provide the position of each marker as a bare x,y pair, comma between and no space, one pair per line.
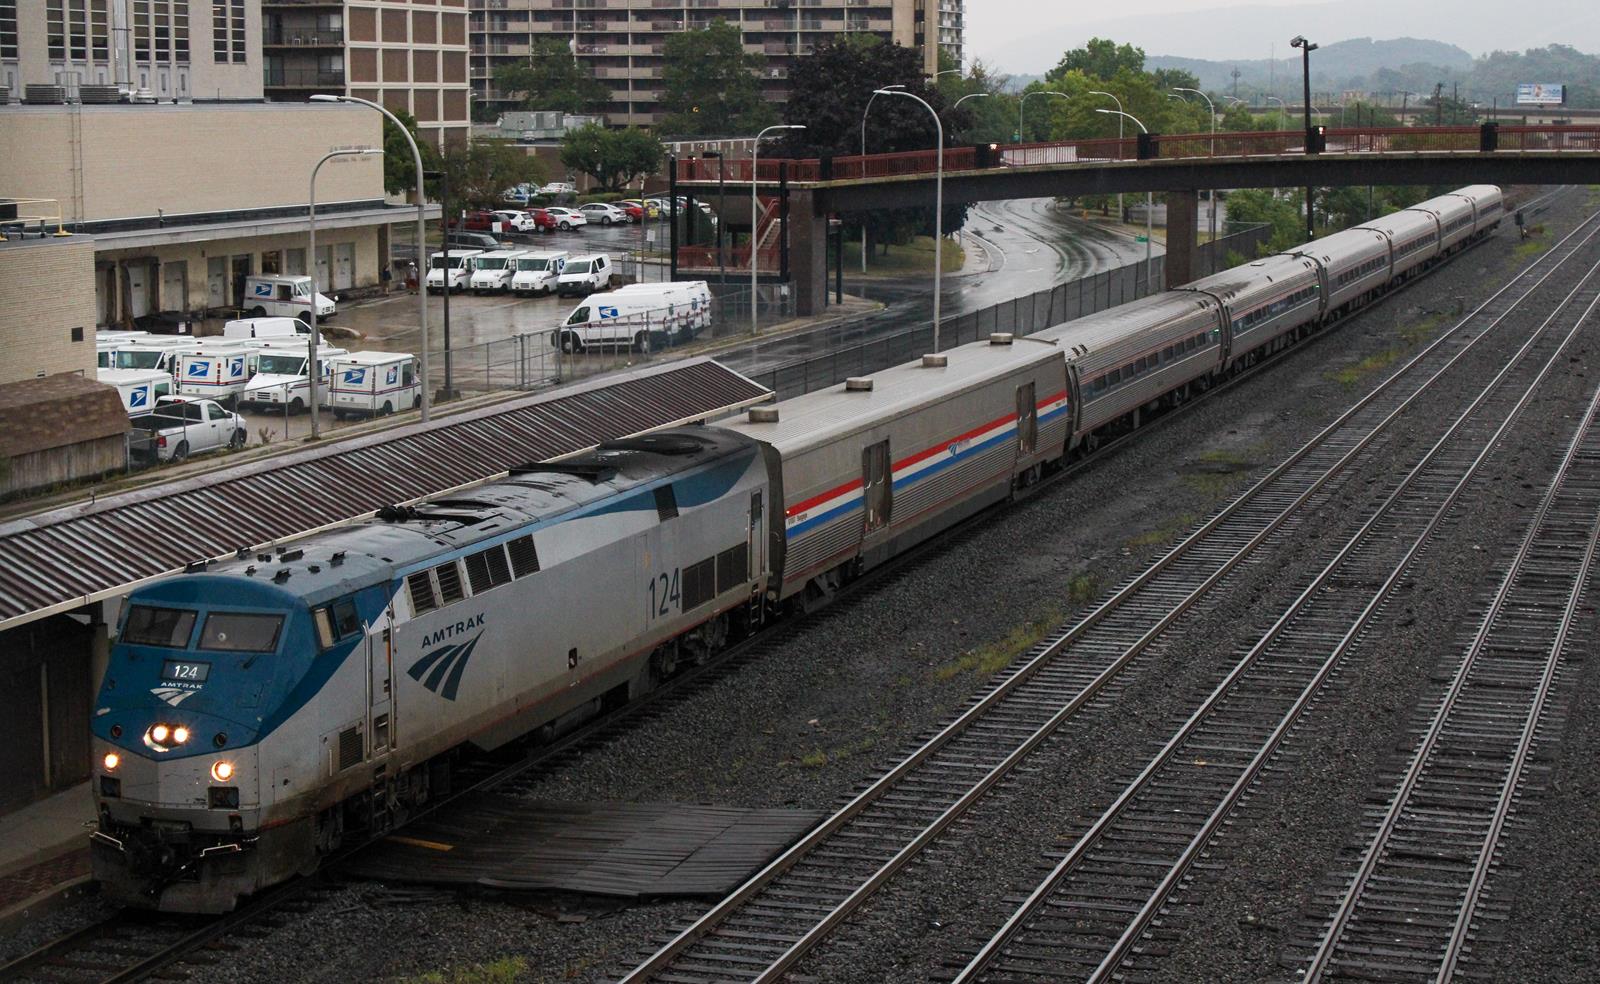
552,79
1253,206
481,171
711,84
614,158
1101,58
399,169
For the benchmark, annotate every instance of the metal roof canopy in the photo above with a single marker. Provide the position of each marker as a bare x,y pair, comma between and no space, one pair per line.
65,558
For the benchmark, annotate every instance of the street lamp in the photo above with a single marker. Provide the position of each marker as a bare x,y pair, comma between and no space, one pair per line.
938,204
1098,92
755,159
313,373
1213,108
864,112
1306,48
948,71
1024,101
1148,229
422,235
970,95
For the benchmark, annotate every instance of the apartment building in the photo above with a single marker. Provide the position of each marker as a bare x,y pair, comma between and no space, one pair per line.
621,41
163,49
408,55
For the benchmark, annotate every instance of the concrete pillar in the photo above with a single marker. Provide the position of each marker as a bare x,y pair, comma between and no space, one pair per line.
1183,211
808,253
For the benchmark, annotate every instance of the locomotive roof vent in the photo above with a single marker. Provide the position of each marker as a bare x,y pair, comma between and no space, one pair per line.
858,384
931,361
1001,338
763,415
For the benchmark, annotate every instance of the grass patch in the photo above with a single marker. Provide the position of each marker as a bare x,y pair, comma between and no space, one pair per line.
817,758
503,971
1412,334
1083,589
1164,533
1213,473
996,656
1349,376
1533,246
912,258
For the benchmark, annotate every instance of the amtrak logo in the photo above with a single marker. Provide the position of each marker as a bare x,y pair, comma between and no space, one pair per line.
444,667
173,695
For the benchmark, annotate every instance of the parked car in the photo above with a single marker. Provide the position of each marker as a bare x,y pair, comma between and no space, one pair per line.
473,240
649,208
514,220
521,194
458,275
476,220
642,317
180,427
284,295
492,271
585,274
265,328
281,379
559,188
542,220
537,273
603,212
370,384
567,219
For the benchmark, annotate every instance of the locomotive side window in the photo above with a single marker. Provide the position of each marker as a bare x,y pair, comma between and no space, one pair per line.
422,597
324,624
524,558
666,503
237,632
450,582
337,621
149,626
488,569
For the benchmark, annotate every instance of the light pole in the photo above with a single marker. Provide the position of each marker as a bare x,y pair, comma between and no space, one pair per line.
1306,48
949,71
970,95
864,112
1213,108
938,203
422,236
1024,101
312,370
1121,215
1148,221
755,160
722,212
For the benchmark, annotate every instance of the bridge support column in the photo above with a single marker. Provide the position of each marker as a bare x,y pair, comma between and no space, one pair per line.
1182,215
808,254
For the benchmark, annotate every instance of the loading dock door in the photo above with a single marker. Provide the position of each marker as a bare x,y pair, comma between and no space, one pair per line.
344,266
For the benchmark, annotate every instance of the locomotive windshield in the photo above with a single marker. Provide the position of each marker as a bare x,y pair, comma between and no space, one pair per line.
238,632
151,626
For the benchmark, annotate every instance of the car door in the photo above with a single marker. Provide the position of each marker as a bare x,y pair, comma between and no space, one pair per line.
218,426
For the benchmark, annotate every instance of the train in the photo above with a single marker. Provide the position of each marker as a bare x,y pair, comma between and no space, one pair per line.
261,713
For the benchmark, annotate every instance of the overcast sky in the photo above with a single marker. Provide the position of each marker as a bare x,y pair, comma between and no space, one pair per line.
1028,36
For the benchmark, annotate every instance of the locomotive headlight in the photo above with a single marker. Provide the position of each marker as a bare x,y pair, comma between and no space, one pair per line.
159,733
111,761
222,771
180,734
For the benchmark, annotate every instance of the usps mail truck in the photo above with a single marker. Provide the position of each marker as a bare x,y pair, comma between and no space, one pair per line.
285,295
368,384
139,388
457,275
279,378
492,271
537,272
217,373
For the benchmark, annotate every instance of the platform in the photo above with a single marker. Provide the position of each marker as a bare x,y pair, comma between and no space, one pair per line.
630,850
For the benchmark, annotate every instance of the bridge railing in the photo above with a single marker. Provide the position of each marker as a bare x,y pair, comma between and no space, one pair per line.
1261,143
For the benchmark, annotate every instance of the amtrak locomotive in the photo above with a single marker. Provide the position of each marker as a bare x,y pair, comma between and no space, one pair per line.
258,714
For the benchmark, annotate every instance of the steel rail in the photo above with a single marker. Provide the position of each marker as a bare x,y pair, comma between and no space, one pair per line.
1038,898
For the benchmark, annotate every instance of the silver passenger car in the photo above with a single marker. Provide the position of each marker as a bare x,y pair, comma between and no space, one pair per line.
1413,240
1355,263
1265,301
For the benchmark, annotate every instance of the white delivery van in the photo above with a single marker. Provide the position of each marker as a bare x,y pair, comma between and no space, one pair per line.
152,353
140,388
689,300
636,319
215,372
279,378
284,295
492,271
266,328
584,274
366,384
459,274
537,272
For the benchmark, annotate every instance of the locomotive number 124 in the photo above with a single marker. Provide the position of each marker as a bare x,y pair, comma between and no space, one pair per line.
663,593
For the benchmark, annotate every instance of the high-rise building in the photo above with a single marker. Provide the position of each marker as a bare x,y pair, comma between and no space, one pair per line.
409,56
621,41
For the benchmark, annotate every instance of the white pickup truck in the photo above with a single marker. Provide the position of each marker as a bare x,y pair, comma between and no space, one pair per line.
179,427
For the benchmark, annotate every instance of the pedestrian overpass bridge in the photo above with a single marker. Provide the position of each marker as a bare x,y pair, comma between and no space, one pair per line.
1176,165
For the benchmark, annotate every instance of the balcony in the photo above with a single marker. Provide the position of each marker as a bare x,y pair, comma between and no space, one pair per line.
303,78
304,37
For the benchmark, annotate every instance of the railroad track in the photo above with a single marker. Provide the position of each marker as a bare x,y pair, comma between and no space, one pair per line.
1407,910
1095,907
764,928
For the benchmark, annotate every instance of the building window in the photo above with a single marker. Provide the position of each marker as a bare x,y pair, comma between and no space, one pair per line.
227,31
8,28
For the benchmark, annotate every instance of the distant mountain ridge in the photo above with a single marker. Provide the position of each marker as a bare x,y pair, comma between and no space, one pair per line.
1342,64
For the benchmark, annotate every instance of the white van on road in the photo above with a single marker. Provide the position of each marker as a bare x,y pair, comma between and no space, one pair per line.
585,274
285,295
457,277
266,328
642,317
492,271
536,273
368,384
280,378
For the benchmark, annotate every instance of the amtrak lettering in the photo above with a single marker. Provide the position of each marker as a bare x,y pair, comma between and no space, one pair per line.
441,669
451,631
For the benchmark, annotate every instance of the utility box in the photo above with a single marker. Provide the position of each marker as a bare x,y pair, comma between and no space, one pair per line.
1489,137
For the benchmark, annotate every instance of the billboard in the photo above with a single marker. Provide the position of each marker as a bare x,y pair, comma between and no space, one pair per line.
1541,94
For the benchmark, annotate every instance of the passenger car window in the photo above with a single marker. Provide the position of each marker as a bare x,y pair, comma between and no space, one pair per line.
150,626
241,633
